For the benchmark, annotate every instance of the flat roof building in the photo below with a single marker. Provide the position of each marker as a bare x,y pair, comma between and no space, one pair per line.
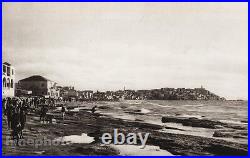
40,86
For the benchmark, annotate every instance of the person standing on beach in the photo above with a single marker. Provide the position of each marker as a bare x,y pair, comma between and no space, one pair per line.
4,102
23,110
15,120
44,110
63,112
36,102
9,112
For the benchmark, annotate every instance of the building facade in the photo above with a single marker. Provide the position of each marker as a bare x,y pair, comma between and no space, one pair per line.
40,86
86,95
8,80
68,92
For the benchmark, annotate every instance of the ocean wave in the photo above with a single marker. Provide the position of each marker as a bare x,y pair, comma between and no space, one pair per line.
193,105
232,122
159,105
190,116
145,111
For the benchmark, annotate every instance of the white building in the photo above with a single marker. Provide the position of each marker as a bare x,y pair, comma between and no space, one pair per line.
8,80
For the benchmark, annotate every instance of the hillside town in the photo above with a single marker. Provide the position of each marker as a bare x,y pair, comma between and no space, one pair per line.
125,79
37,85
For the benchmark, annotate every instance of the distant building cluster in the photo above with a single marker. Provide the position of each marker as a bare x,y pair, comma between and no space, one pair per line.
172,94
40,86
158,94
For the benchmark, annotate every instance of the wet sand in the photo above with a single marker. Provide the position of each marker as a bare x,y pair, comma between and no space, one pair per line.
91,127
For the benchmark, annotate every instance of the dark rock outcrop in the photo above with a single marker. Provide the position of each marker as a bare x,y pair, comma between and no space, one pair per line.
230,134
226,150
194,122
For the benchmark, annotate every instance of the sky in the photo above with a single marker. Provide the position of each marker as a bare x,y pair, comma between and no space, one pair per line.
106,46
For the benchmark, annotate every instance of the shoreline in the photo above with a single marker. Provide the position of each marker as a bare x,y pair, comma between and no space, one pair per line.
94,125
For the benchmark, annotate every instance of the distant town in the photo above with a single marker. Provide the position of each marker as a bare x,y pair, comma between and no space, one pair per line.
37,85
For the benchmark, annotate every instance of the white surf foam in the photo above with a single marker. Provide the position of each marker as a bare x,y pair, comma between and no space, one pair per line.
145,111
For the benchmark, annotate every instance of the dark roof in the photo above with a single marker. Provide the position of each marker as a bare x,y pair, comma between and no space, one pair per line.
5,63
35,78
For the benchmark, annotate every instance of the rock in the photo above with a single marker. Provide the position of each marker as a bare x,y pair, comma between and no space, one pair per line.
230,134
104,107
194,122
223,134
222,149
244,121
237,127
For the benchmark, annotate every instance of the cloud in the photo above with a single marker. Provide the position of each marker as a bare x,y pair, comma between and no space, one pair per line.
140,46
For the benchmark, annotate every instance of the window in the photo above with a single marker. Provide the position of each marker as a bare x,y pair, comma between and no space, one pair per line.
8,83
12,71
4,82
11,83
4,69
8,71
42,85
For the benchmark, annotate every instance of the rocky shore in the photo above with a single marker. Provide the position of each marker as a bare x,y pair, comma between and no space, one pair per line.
94,125
204,123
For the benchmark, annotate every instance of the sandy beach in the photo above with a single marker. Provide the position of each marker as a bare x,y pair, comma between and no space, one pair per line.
81,132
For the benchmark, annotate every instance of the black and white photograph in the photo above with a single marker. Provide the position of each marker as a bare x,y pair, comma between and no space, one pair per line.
126,79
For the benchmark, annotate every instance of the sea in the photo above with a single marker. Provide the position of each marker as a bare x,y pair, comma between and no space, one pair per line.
152,111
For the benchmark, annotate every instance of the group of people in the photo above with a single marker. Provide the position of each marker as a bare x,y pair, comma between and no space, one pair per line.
15,110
